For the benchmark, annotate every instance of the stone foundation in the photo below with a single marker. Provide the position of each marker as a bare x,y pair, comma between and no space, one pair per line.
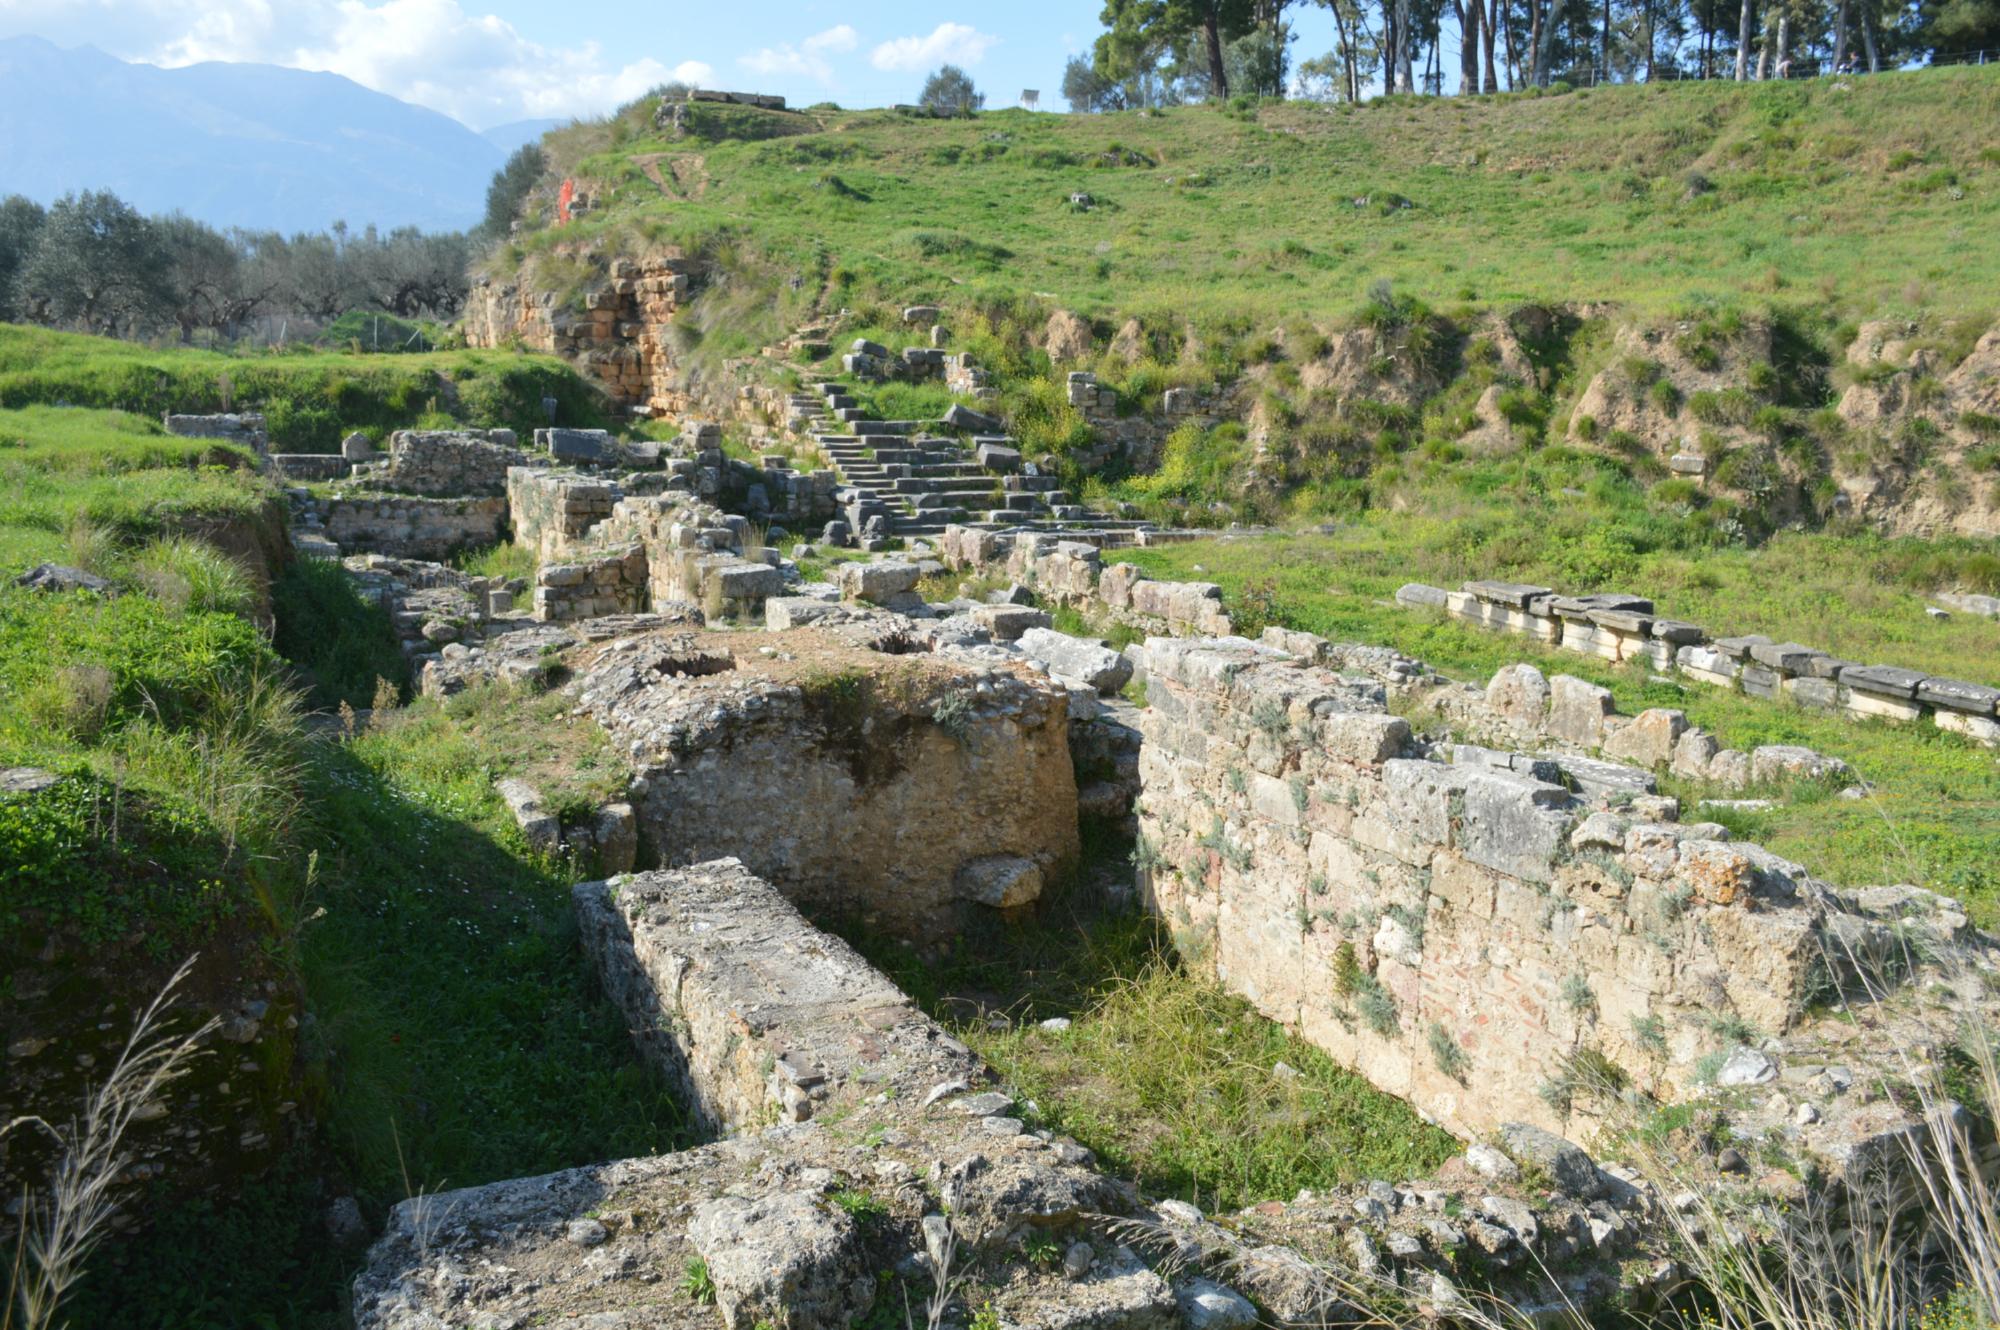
907,789
1072,573
445,463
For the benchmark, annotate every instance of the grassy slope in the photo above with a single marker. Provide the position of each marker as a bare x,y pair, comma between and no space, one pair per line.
311,399
118,473
1578,197
1935,820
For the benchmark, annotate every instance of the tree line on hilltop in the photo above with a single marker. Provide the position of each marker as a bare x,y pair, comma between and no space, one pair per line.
1165,52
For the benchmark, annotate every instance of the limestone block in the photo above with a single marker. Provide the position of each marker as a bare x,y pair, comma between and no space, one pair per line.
1520,693
1984,729
540,827
744,581
1002,881
1090,663
1364,738
1730,769
1416,593
1693,754
877,581
1650,739
1957,695
1512,824
1773,763
1006,623
1577,710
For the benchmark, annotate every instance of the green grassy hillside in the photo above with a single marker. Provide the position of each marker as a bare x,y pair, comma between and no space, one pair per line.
1886,188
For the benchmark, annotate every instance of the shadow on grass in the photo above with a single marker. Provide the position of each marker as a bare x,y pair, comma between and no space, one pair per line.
459,1037
1173,1082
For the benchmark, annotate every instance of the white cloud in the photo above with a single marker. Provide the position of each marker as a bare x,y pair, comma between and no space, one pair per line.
806,60
840,38
474,66
950,43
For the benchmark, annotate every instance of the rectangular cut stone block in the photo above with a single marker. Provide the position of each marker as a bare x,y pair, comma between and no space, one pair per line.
1738,648
1511,824
1985,729
1707,665
1677,632
1514,594
1788,657
1817,694
1866,704
1416,593
1957,695
1882,680
1758,681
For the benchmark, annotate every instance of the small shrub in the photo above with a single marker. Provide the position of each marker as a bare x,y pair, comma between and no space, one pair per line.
1650,1033
1377,1008
1577,996
697,1283
1446,1052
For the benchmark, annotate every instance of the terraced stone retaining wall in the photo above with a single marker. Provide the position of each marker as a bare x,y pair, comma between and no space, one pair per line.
1622,628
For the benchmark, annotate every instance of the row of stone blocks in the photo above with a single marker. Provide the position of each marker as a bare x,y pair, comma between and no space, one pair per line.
1623,628
1072,572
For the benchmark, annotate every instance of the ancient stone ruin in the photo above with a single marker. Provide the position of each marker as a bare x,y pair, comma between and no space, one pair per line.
1495,934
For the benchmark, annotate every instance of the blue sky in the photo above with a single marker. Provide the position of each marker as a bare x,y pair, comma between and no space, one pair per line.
492,61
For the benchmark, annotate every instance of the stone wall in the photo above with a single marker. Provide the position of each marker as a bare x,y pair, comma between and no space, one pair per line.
414,528
446,463
1625,628
759,1019
552,512
303,468
907,789
1071,572
612,583
1474,938
619,336
247,429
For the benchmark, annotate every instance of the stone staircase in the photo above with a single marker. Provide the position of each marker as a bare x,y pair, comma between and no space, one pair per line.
309,538
919,483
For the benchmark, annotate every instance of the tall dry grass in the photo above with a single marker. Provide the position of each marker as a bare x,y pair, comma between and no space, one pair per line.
61,1227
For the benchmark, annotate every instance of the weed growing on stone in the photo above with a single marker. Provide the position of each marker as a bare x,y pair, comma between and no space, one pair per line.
1447,1053
697,1283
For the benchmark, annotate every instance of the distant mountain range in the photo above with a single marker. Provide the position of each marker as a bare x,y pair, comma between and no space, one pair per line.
255,146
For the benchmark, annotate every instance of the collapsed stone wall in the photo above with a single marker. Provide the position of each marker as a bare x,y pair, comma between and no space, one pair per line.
1468,937
1071,572
906,788
1620,628
445,463
404,527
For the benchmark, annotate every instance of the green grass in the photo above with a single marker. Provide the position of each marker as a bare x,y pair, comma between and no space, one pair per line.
1935,817
75,484
467,1036
1254,218
311,399
1172,1081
